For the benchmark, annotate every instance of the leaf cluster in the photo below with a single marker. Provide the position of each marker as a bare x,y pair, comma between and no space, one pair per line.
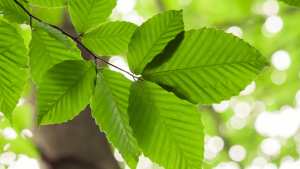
156,113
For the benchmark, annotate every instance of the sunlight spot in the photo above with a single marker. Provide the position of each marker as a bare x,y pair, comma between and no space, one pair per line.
7,158
125,6
242,109
9,133
249,89
278,77
222,107
237,153
133,17
119,62
217,143
21,102
260,162
270,146
258,107
236,31
26,133
274,24
270,7
270,166
6,147
118,156
144,162
238,123
281,60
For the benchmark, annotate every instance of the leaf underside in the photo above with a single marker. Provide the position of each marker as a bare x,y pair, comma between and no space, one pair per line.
292,2
45,52
206,66
13,13
169,130
152,37
109,39
49,3
64,91
13,68
90,13
109,108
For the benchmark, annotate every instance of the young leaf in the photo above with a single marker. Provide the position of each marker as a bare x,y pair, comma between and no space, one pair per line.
45,52
109,39
169,130
49,3
54,33
64,91
109,108
206,66
152,37
14,13
13,68
90,13
292,2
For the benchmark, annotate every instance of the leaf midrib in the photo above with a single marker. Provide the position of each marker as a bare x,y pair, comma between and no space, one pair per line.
165,124
87,16
45,46
148,74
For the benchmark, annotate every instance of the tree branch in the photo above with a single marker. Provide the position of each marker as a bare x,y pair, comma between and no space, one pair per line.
75,39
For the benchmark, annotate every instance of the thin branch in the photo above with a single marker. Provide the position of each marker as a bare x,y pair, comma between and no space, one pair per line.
76,40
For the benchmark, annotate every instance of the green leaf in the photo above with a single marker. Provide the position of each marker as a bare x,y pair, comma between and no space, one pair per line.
109,39
169,130
49,3
109,108
206,66
14,13
54,33
292,2
90,13
45,52
65,90
13,68
152,37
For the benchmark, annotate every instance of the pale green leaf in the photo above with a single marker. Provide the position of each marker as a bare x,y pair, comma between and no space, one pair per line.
49,3
109,39
14,13
169,130
13,68
65,90
45,52
109,108
54,33
90,13
206,66
152,37
292,2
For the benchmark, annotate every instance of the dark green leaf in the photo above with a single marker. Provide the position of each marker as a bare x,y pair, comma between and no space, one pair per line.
109,108
14,13
65,90
45,52
206,66
109,39
169,130
13,68
152,37
292,2
90,13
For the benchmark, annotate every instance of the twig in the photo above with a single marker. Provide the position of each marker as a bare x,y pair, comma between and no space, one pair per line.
76,40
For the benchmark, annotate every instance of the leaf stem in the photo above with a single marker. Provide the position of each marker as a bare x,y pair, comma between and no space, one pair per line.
75,39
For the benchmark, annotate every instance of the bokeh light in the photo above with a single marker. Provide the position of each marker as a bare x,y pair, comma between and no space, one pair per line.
270,7
274,24
237,153
281,60
270,146
222,107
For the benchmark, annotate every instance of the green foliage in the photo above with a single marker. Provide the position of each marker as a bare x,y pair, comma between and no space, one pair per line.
13,68
169,130
89,14
45,52
54,33
206,66
49,3
64,91
292,2
156,112
109,108
13,12
109,39
152,37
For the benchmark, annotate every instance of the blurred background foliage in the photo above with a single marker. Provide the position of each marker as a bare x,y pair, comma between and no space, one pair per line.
257,130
